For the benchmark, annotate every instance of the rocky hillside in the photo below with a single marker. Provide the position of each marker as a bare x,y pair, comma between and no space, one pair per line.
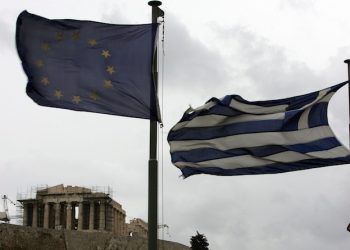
13,237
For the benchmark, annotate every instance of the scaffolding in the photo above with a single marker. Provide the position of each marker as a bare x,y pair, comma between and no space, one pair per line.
103,189
31,193
27,193
109,213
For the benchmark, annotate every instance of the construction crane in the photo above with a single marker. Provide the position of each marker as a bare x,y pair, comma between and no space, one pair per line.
5,216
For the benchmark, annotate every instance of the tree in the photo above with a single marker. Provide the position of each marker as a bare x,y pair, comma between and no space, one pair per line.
199,242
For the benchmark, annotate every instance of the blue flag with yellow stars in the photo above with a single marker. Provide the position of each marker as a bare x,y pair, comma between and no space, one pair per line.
89,66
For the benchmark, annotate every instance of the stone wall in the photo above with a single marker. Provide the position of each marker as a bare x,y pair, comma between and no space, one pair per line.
26,238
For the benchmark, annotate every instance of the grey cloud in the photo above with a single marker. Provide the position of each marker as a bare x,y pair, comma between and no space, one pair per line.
114,15
7,38
189,63
297,4
266,67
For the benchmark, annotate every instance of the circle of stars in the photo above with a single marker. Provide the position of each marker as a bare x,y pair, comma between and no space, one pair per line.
60,36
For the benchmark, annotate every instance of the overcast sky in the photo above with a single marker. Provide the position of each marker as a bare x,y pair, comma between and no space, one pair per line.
257,49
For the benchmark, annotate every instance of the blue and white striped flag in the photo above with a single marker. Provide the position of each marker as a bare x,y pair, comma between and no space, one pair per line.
232,136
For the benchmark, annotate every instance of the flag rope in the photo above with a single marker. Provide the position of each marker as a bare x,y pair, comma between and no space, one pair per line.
162,130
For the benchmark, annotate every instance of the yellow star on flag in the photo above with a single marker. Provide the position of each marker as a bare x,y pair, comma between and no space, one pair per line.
105,53
59,36
76,35
46,47
76,99
58,94
92,42
45,81
110,70
94,96
39,63
108,84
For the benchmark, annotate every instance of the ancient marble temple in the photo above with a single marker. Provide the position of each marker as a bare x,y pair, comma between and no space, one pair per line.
74,208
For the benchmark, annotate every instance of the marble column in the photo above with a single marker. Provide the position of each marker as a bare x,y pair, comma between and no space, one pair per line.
121,224
115,220
80,216
102,225
25,214
57,215
92,215
118,222
115,216
46,214
35,215
69,216
125,226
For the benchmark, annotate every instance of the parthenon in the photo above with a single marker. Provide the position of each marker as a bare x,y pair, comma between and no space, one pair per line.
74,208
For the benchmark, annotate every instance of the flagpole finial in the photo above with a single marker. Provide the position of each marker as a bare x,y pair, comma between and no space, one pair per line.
154,3
347,61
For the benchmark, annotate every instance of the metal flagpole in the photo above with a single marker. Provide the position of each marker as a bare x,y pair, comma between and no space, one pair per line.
347,61
153,162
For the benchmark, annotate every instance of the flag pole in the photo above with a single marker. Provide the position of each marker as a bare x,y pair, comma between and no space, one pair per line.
347,61
153,162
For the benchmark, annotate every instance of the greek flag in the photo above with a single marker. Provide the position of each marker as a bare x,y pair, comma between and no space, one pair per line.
233,136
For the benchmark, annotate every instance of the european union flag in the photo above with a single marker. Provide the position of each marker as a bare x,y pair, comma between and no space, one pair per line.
89,66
